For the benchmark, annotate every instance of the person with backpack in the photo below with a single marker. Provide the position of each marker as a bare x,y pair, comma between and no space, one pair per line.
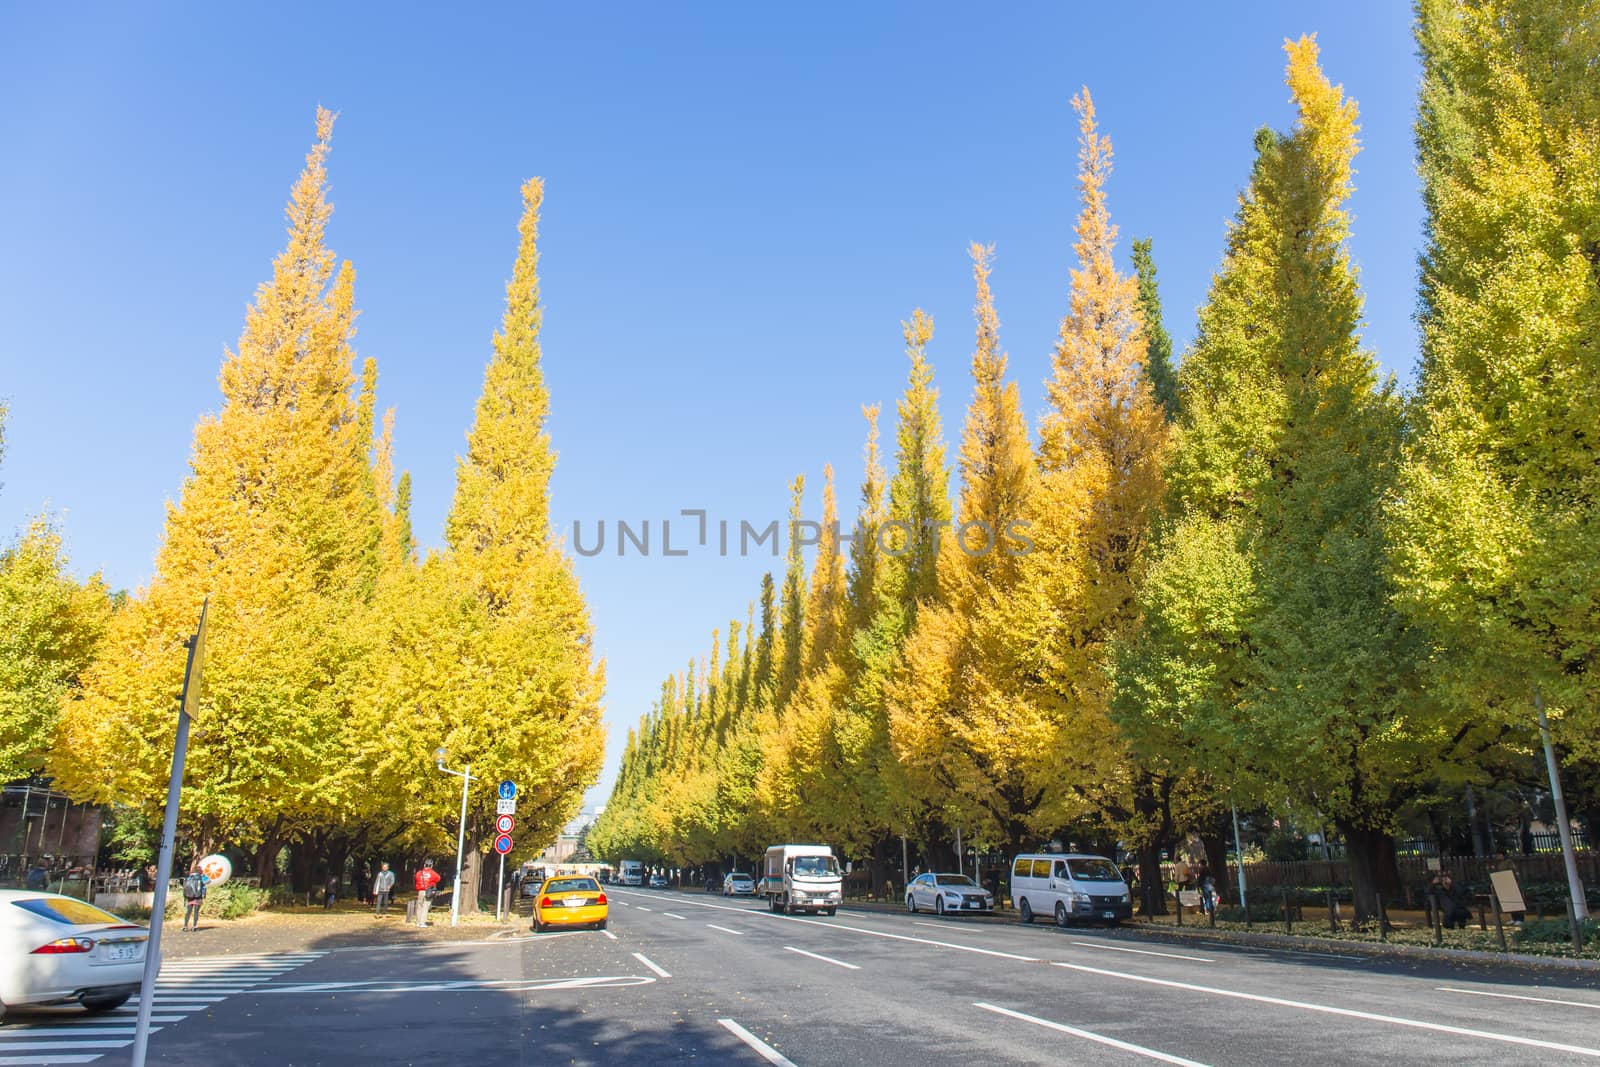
194,894
427,882
382,886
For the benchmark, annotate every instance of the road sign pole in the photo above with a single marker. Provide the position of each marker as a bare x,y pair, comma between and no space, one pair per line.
192,672
500,890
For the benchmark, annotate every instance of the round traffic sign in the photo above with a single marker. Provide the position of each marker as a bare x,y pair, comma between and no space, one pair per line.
504,824
508,790
502,844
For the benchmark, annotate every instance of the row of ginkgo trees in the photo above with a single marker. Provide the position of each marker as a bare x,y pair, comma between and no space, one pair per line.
338,660
1263,578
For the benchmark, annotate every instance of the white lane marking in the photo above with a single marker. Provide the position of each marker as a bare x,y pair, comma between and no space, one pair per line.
1515,996
187,998
485,985
92,1031
20,1060
654,967
641,907
671,915
609,934
724,929
870,933
1125,1046
762,1049
1144,951
1274,950
1349,1013
624,903
46,1046
819,956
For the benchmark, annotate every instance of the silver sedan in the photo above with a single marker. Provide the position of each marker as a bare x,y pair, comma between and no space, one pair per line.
948,894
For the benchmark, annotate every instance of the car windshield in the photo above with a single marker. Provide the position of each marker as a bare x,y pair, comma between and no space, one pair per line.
1094,870
66,910
815,866
954,879
740,877
572,885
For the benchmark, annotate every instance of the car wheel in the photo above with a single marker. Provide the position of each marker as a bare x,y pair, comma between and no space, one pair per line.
911,903
830,911
1024,912
1062,919
99,1004
938,905
601,925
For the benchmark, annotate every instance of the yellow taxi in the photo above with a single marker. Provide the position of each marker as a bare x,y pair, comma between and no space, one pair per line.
570,901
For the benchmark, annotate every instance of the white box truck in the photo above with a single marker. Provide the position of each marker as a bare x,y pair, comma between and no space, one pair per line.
631,872
801,878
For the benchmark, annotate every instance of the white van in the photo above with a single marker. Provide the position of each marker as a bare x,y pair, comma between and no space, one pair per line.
632,873
1072,887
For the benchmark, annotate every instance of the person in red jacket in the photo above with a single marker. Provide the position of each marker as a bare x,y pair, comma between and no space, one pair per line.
427,878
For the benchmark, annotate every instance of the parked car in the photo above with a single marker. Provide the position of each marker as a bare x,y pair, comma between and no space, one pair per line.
659,881
739,884
575,901
948,893
1073,888
61,950
531,886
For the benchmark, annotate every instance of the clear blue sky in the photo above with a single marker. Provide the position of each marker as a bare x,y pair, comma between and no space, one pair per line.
742,203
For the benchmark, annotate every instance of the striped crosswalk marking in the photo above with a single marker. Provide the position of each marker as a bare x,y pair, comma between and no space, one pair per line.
66,1036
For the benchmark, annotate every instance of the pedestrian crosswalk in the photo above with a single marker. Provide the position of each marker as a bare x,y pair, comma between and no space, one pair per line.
184,986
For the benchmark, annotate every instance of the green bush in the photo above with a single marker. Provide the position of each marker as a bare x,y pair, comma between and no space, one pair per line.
231,900
1555,932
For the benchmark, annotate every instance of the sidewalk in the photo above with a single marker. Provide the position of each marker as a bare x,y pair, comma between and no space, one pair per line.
300,929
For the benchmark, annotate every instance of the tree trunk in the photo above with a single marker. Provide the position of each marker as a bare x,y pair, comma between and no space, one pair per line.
300,867
1373,867
267,860
1215,841
1148,805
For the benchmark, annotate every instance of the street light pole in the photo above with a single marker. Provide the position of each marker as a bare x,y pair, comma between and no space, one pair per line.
461,834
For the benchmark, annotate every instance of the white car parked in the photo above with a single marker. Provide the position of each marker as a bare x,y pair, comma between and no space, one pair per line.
738,884
61,950
1070,888
948,894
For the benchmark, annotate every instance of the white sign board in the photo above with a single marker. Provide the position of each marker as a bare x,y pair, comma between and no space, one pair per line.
1506,888
505,807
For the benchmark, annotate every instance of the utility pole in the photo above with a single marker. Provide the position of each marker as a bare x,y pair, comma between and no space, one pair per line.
1238,852
188,703
1580,905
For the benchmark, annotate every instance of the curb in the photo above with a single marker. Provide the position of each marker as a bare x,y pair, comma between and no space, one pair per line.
1363,948
1368,948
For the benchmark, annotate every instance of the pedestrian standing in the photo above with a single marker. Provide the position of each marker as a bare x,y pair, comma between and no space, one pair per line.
330,892
37,877
194,894
358,882
427,881
382,886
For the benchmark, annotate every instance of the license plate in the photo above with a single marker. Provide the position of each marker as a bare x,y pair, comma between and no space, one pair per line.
1110,914
122,952
573,902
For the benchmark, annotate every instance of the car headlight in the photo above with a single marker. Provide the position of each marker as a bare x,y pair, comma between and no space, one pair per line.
1124,898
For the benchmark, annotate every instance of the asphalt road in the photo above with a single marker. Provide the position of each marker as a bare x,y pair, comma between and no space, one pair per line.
690,977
